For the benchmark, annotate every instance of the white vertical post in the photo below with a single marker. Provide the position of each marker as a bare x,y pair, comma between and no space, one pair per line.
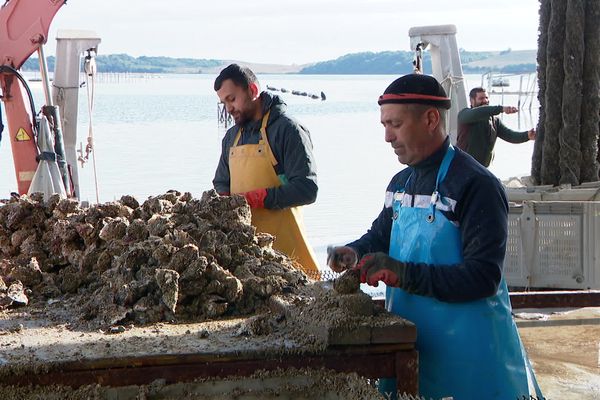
70,45
44,73
446,66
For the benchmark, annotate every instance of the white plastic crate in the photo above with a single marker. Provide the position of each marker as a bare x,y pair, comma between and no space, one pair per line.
553,244
518,191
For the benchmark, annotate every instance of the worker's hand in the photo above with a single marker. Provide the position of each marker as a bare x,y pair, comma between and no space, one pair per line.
341,258
256,198
375,267
531,134
509,110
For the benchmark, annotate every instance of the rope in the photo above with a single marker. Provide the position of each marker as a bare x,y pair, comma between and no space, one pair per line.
454,80
90,71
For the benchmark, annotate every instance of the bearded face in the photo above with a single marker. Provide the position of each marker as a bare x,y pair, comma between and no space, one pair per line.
481,99
239,102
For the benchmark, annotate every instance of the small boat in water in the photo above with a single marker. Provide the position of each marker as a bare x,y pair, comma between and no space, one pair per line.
500,82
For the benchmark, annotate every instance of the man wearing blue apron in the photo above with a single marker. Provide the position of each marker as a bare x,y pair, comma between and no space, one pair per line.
439,245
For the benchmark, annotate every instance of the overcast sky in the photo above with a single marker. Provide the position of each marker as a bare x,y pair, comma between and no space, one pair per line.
291,32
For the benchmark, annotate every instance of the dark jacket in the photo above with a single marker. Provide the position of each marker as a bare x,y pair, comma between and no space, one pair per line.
478,128
480,209
292,147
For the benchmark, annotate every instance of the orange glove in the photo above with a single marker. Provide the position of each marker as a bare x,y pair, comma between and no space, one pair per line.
375,267
256,198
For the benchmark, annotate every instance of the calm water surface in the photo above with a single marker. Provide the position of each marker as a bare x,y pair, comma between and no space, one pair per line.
159,133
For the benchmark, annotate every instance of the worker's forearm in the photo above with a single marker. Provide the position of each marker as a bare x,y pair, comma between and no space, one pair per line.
458,283
470,115
300,191
221,183
222,180
511,136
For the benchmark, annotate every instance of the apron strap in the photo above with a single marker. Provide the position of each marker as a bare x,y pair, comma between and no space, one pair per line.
444,166
448,157
237,137
263,126
263,137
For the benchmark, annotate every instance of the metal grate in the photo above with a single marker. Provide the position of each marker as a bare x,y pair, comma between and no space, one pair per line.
326,275
512,261
553,245
559,247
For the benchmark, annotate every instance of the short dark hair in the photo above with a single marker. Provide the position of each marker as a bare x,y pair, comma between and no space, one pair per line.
241,76
475,90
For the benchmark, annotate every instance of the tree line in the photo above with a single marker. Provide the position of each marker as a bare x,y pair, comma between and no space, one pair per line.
368,63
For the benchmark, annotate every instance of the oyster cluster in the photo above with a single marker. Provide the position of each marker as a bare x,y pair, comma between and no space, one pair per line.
174,257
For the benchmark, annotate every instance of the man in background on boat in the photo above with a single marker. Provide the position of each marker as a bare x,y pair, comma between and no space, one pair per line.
439,245
479,126
267,157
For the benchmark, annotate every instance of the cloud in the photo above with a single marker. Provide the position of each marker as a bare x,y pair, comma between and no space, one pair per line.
291,31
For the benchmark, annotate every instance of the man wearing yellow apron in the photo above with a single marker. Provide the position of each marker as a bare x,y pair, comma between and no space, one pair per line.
439,245
267,157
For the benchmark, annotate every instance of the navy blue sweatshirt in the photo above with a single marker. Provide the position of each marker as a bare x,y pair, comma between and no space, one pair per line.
480,209
292,148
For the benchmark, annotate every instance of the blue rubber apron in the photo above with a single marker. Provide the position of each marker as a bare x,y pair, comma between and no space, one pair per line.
468,350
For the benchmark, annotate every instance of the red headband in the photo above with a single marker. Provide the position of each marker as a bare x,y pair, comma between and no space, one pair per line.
412,96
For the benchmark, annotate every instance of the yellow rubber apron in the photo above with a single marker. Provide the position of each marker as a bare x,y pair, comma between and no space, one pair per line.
251,167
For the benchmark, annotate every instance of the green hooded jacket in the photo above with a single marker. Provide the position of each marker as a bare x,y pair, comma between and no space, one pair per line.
292,147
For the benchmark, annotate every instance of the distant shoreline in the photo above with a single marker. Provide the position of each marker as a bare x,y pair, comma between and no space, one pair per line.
366,63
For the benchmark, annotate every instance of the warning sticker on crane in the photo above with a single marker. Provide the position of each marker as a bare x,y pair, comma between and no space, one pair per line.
22,135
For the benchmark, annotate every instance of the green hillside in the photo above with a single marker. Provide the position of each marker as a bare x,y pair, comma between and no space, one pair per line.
143,64
368,63
400,62
505,61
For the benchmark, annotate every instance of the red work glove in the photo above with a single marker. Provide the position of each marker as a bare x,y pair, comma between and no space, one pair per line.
256,198
375,267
